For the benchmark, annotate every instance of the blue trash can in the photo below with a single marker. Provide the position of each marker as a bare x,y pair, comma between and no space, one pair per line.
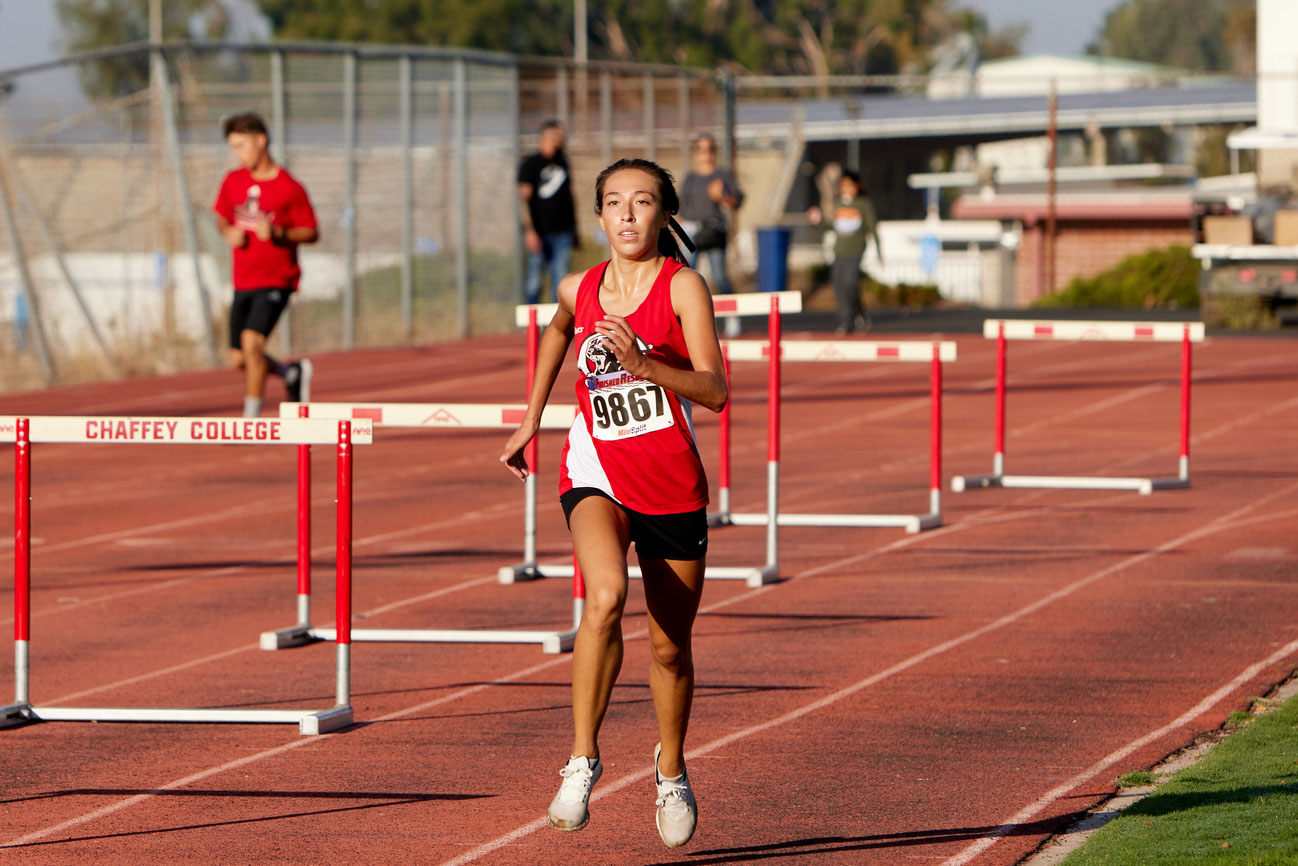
773,258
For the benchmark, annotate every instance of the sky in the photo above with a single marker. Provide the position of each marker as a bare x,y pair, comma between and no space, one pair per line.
1056,26
29,30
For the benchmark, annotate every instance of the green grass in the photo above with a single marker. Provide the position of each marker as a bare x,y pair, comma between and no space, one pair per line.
1138,779
1239,805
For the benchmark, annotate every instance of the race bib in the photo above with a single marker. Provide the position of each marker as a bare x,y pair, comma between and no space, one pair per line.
633,409
622,405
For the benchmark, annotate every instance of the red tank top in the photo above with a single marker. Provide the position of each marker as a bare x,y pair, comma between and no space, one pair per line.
633,440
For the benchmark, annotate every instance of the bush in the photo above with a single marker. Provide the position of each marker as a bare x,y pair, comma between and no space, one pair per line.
905,295
1158,279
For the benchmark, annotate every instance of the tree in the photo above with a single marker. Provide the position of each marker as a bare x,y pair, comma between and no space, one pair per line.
519,26
105,23
1181,33
761,36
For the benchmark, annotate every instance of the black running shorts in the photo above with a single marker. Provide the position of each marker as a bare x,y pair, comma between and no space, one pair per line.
256,310
682,536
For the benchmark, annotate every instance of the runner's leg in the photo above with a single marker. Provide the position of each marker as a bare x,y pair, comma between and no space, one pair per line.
672,591
601,535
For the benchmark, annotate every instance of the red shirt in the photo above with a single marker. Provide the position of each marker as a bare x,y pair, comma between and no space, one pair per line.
633,440
262,264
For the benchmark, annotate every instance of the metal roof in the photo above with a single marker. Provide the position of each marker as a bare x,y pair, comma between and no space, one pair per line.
884,116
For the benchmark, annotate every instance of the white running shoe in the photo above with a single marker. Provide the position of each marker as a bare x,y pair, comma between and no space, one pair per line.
568,808
678,814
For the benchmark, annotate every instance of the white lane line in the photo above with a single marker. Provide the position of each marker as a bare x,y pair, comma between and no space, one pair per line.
1048,798
533,826
170,786
218,656
466,692
721,742
526,829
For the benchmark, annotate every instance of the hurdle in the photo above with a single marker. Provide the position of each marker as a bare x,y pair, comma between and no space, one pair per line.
1003,330
771,304
24,432
836,351
423,416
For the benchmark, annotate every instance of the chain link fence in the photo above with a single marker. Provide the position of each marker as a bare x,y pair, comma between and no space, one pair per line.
110,262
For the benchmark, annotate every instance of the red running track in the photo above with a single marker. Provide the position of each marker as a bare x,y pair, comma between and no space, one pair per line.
944,698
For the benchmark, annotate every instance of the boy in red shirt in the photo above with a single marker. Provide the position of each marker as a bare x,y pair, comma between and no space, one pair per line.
263,213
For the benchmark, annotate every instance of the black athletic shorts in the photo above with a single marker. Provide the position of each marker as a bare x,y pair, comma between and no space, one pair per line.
256,310
659,536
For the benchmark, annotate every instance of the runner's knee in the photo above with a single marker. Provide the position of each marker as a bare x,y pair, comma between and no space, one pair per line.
253,342
604,607
667,654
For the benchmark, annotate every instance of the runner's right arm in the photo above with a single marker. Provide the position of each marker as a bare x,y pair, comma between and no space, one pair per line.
553,349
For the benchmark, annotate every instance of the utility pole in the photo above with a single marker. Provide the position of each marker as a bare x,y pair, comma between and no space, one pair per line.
1052,135
578,32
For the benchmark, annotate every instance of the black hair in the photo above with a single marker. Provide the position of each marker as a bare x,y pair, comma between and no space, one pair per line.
853,176
549,125
671,202
248,122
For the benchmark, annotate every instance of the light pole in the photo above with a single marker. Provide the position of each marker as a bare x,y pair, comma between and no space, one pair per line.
578,31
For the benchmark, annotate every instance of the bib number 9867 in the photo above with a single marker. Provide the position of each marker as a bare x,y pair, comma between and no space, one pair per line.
630,411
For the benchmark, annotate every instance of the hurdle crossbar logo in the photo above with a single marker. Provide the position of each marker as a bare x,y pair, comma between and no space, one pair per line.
441,418
830,353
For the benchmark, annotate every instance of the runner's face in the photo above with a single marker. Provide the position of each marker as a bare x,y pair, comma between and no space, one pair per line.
247,147
631,214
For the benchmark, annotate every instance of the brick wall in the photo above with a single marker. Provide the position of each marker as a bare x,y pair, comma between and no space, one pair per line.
1084,248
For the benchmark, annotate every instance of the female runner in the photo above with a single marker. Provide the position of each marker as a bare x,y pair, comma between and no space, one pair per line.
646,350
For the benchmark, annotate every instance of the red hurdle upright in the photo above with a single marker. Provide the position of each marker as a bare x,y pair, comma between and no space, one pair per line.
772,305
425,416
1003,330
23,432
933,354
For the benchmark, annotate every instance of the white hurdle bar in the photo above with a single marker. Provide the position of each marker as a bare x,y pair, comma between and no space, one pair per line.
933,353
771,304
425,416
24,431
1003,330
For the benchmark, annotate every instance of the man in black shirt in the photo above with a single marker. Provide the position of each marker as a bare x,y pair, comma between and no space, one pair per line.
546,210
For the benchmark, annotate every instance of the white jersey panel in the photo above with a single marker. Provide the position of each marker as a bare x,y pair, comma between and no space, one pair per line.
584,468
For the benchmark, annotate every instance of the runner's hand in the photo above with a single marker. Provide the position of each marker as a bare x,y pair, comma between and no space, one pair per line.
263,227
235,236
623,343
512,456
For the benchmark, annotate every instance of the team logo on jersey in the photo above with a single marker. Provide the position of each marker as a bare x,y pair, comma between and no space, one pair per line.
601,366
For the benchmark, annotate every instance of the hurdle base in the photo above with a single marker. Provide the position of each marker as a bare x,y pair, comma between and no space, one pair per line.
551,642
309,722
524,571
961,483
754,576
296,635
324,721
16,714
912,523
1143,486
